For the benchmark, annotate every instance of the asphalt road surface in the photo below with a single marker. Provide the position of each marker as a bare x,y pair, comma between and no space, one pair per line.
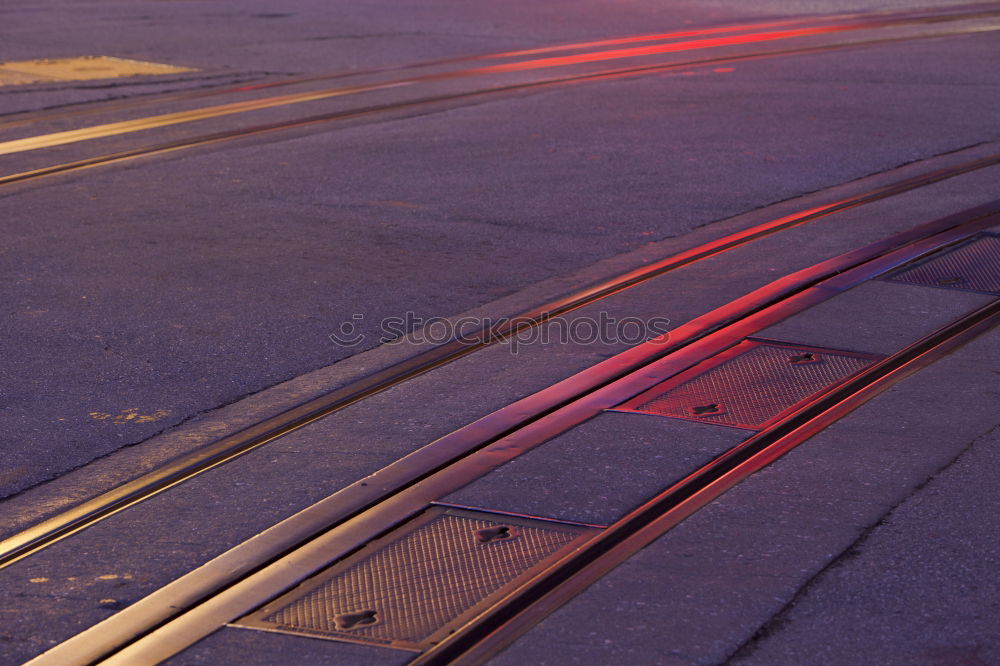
172,286
142,296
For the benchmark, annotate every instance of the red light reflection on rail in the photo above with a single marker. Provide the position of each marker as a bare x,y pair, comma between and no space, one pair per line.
645,38
690,45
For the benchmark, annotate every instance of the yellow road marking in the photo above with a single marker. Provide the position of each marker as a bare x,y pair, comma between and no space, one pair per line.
80,69
125,126
130,415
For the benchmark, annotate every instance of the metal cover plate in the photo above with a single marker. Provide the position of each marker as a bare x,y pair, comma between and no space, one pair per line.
79,69
970,266
409,588
749,385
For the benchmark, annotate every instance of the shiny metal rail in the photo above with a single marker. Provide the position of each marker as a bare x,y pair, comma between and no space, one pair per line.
702,40
500,625
551,62
189,465
94,108
232,584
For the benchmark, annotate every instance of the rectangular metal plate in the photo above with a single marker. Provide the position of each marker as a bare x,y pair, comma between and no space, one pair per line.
749,385
409,588
80,69
970,266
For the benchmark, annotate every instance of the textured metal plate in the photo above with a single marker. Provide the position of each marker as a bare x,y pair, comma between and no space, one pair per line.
79,69
971,266
749,385
409,588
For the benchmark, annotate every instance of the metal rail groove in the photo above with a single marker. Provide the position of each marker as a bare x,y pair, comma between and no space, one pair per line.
68,522
551,61
249,574
21,119
407,503
27,118
500,625
217,137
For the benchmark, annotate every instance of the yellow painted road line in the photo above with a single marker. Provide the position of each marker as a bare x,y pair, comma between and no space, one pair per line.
166,119
577,46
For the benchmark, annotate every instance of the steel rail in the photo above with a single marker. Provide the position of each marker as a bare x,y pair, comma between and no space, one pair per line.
704,43
354,533
497,627
189,465
268,128
27,118
879,16
262,567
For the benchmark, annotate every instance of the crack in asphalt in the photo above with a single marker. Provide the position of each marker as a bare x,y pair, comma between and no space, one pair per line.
781,618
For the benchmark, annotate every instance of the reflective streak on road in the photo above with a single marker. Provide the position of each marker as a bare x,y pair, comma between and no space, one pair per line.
700,43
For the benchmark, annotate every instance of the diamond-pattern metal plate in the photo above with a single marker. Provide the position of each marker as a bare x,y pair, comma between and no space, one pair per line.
749,385
408,588
970,266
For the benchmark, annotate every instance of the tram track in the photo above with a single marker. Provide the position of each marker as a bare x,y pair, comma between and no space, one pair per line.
502,623
299,123
28,118
84,134
266,565
499,626
190,465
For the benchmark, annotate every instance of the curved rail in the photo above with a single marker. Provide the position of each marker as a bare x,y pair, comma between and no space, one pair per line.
187,466
225,588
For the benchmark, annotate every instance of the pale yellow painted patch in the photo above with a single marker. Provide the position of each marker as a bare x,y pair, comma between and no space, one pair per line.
40,579
155,416
108,577
130,415
80,69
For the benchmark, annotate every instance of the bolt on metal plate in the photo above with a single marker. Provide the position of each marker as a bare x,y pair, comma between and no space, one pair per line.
749,385
973,265
409,588
80,69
